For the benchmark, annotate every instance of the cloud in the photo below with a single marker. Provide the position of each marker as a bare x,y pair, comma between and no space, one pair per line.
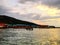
3,10
49,17
30,11
52,3
23,1
38,22
37,17
36,10
32,16
54,22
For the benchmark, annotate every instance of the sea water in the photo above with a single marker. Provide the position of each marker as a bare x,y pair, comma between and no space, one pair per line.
36,36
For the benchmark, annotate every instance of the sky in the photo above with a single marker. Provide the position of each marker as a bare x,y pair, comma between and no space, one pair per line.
43,12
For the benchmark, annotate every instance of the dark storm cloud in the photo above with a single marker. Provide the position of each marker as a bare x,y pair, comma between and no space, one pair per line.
23,1
55,3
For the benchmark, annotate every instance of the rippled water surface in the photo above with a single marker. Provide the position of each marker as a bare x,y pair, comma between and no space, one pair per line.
30,37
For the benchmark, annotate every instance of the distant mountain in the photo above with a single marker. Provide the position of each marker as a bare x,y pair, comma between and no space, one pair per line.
11,20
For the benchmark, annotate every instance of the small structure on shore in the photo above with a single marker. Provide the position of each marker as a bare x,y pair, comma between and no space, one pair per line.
9,22
3,25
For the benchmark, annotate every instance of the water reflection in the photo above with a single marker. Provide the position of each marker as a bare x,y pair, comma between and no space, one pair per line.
26,37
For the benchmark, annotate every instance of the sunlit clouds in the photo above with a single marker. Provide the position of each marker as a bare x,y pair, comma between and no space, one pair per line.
54,21
48,10
37,11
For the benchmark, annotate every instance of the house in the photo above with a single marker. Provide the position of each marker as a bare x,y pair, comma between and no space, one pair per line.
2,25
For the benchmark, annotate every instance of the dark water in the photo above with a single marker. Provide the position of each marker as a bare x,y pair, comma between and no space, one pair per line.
26,37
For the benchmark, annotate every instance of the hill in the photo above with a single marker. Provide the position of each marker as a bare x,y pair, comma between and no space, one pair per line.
10,20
